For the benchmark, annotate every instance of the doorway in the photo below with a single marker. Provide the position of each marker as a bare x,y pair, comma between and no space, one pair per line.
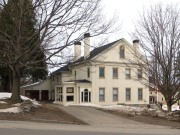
85,96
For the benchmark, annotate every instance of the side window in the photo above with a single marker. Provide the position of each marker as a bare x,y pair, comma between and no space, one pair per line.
128,94
57,78
88,72
127,73
115,72
115,94
122,52
101,94
139,73
140,94
101,72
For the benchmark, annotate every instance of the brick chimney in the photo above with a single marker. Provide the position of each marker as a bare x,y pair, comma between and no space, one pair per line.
77,50
86,44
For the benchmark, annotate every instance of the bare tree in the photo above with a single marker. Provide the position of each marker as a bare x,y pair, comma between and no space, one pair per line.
159,32
58,24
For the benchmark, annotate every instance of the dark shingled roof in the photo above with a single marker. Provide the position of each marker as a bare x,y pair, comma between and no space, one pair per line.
62,69
80,81
93,53
100,49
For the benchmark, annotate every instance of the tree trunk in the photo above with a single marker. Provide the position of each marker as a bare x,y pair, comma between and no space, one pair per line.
16,86
168,106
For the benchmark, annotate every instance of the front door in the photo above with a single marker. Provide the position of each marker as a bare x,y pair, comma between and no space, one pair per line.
86,96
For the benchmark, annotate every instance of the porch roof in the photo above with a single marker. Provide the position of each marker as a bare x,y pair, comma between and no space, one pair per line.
80,81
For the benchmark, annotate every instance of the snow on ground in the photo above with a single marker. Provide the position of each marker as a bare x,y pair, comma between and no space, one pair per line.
14,109
11,110
85,104
5,95
3,102
123,108
174,107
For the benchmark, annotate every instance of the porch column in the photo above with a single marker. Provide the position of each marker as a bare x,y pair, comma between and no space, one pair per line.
49,95
40,95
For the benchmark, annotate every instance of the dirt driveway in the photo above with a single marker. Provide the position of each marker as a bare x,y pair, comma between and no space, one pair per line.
99,118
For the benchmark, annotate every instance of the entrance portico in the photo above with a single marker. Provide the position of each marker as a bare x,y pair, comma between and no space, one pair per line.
73,92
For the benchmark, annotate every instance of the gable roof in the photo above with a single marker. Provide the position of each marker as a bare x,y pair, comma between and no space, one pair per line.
100,49
92,54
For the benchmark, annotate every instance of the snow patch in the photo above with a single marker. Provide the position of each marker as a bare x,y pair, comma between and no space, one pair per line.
15,109
174,107
3,102
11,110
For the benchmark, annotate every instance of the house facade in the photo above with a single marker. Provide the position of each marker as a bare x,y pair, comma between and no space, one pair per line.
107,75
156,97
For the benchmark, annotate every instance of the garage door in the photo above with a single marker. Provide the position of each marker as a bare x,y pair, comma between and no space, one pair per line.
32,94
44,95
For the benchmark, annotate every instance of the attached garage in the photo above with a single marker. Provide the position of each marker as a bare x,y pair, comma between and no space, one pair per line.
32,94
44,95
39,91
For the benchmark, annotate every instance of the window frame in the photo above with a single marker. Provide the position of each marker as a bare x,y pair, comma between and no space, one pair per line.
128,76
140,95
103,95
122,52
139,76
70,96
128,95
68,88
113,69
103,72
113,95
88,72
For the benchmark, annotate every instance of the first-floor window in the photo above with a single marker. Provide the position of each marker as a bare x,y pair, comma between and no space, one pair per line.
70,89
140,94
128,94
101,94
70,98
59,93
115,94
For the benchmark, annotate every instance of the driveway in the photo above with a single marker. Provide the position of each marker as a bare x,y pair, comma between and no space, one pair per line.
99,118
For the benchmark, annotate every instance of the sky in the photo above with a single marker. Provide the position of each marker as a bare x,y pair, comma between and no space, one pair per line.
128,12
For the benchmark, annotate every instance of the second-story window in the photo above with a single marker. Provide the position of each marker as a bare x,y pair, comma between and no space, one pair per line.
128,73
101,72
75,74
57,78
139,74
88,72
115,72
122,50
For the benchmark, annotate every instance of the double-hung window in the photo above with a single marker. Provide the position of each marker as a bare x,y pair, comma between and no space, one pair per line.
115,72
128,73
101,94
115,94
101,72
128,94
140,94
139,73
122,50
